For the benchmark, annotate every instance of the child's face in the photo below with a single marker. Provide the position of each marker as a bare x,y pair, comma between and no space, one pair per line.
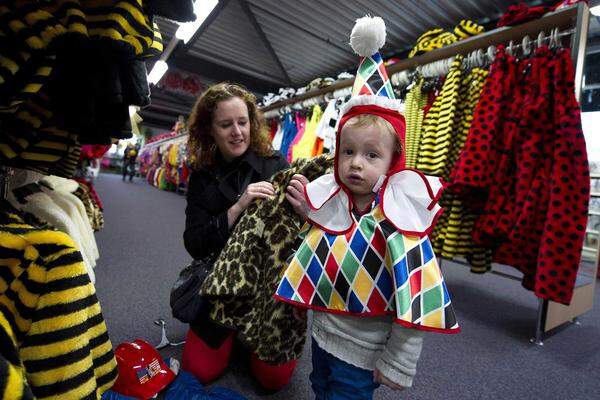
365,153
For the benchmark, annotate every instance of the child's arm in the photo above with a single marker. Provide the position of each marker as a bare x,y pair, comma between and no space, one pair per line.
398,362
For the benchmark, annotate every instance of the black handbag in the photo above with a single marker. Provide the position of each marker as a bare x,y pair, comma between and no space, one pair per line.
186,301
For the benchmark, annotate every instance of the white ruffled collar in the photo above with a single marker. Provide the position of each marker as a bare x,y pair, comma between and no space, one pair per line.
408,199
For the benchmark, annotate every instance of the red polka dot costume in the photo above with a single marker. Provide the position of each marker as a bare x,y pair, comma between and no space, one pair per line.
525,168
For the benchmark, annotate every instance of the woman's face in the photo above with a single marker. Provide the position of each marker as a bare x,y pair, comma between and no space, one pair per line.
231,128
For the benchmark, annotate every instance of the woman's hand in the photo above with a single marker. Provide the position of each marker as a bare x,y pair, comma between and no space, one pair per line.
295,195
380,378
258,190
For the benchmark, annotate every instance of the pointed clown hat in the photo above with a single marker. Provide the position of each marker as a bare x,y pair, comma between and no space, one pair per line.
372,92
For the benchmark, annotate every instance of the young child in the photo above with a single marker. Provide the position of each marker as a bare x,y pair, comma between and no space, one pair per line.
365,265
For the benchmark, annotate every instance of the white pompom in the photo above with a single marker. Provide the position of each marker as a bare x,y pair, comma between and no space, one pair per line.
368,36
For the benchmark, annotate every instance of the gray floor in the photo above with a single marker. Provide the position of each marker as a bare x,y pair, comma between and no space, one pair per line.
141,252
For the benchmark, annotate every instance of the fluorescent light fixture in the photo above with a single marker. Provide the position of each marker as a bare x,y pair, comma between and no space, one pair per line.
202,9
595,10
159,69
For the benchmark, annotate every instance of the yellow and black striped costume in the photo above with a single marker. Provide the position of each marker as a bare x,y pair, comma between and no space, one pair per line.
443,136
13,383
413,114
438,138
35,37
51,306
454,235
438,38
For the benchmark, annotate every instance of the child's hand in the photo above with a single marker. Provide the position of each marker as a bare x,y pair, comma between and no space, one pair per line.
380,378
299,313
295,195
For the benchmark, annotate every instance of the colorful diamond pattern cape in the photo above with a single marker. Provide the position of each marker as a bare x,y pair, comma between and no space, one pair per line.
374,267
372,79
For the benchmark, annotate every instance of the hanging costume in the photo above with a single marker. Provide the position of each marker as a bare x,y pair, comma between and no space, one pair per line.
247,272
382,262
51,306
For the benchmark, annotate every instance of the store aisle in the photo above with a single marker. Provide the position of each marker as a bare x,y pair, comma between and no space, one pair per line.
141,252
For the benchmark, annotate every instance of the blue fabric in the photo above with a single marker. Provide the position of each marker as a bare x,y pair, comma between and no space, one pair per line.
334,379
187,387
290,130
110,395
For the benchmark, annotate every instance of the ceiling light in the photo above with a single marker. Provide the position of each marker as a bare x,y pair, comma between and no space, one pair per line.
202,9
159,69
595,10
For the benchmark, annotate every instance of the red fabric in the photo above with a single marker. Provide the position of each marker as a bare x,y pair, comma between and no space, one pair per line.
272,129
204,362
272,377
207,364
93,192
520,13
560,225
475,170
524,168
91,151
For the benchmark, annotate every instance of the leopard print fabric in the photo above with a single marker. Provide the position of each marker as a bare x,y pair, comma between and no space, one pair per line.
247,272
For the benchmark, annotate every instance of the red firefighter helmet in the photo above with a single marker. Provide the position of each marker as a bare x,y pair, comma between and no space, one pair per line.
142,371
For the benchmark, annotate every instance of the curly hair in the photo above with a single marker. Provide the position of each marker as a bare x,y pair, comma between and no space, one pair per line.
202,149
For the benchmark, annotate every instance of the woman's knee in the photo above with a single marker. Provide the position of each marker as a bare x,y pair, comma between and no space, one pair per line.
203,361
272,377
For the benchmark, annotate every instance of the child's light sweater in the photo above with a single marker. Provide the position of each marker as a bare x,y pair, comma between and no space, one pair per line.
369,343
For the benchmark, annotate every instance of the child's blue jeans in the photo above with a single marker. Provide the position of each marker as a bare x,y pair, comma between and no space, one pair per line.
334,379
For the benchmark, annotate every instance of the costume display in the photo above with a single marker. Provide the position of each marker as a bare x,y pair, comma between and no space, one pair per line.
51,306
13,382
525,164
75,67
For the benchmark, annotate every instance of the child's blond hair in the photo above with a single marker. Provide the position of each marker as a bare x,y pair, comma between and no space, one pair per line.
384,126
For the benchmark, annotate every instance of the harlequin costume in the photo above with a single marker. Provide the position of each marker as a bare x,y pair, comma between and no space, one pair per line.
381,262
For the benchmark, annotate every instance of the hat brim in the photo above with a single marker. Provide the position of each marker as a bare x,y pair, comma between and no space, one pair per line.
372,100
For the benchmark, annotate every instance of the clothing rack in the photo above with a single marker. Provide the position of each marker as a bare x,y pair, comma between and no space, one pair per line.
179,137
571,21
574,17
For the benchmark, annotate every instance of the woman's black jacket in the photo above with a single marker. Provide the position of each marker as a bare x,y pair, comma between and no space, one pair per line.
212,192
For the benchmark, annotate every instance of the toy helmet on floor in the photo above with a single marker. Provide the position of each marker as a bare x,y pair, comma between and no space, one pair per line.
142,371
